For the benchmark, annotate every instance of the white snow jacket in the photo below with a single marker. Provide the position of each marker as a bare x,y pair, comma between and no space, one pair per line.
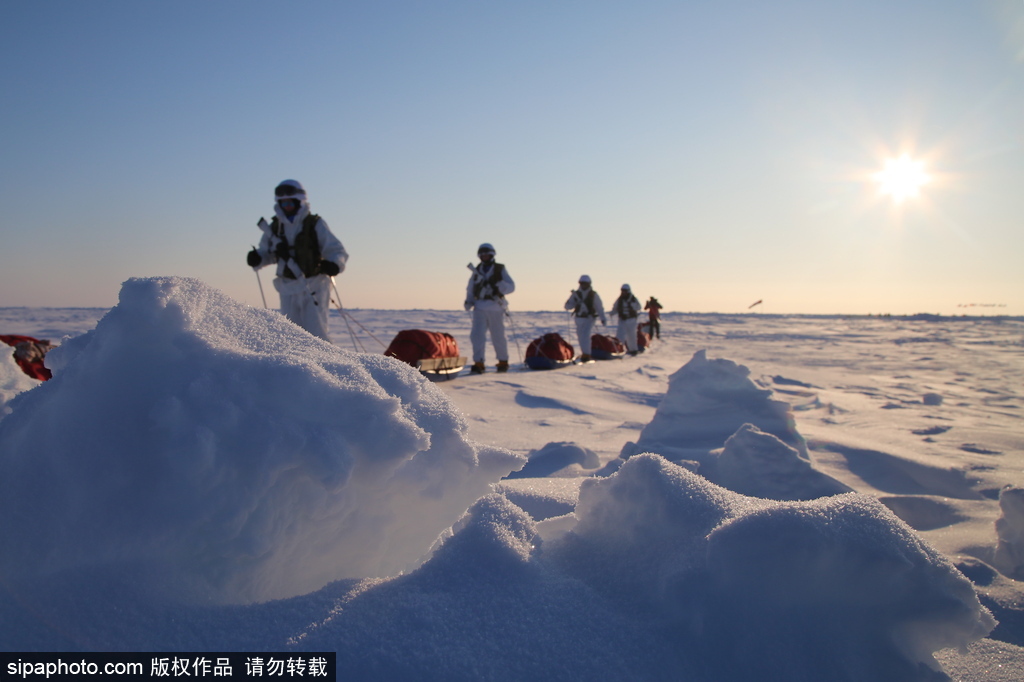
626,307
331,249
578,302
487,286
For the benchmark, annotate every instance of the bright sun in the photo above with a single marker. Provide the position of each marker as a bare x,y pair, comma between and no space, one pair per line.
902,178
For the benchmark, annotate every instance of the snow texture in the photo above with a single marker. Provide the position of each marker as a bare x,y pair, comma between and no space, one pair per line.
758,464
555,457
1009,557
706,403
219,446
203,476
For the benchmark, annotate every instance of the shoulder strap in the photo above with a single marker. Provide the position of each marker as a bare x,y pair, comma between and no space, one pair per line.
497,273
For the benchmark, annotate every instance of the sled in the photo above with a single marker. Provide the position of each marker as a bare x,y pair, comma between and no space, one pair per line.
450,365
549,351
604,347
643,336
29,354
434,354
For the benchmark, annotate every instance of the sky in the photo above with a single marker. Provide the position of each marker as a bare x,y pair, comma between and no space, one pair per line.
709,154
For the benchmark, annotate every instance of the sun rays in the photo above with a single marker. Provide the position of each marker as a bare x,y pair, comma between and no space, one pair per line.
901,179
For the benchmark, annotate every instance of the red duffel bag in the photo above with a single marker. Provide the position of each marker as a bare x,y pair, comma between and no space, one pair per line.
412,345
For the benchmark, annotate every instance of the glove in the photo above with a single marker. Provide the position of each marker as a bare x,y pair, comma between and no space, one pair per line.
469,305
329,268
281,250
253,259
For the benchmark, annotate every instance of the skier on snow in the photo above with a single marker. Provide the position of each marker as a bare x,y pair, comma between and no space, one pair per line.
627,307
307,254
586,307
485,296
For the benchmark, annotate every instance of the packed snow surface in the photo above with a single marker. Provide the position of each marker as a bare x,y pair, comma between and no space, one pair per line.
200,475
208,443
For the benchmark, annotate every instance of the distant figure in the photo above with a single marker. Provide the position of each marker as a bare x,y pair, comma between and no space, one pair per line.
485,296
586,307
653,309
627,308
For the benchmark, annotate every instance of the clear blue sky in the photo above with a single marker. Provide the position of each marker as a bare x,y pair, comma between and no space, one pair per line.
711,154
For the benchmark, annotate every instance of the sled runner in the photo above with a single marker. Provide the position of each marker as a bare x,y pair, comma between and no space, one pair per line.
432,353
606,347
549,351
29,354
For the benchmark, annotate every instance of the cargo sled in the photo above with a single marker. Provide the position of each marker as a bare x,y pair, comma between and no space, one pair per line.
29,354
604,347
549,351
435,354
643,336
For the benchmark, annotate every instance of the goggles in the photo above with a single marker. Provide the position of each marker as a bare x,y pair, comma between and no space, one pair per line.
287,191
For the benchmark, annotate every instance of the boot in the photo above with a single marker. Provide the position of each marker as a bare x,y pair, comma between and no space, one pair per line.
502,365
477,368
585,357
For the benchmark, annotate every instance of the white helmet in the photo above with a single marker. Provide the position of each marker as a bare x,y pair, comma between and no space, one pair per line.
289,189
486,248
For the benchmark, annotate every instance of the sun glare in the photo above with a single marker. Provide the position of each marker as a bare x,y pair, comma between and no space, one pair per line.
902,178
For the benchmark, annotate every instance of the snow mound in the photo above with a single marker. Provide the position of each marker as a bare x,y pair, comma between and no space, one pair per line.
1009,557
542,498
837,588
190,436
555,457
707,401
665,576
484,608
758,464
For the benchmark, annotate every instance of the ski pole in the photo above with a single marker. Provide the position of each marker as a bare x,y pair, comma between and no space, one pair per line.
515,332
260,282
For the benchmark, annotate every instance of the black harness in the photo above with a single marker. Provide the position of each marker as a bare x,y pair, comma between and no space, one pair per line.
495,276
306,249
585,302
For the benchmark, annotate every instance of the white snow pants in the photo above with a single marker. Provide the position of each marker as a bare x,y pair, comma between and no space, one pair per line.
584,329
309,307
488,317
626,332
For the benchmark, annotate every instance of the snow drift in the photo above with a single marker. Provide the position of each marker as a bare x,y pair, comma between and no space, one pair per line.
215,451
688,580
836,588
223,453
1009,555
707,402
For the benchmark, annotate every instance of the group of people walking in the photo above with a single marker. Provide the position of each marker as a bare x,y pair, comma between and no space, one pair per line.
587,308
308,256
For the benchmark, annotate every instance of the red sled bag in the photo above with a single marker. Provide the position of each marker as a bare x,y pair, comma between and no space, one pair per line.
643,335
29,354
606,347
412,345
549,351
